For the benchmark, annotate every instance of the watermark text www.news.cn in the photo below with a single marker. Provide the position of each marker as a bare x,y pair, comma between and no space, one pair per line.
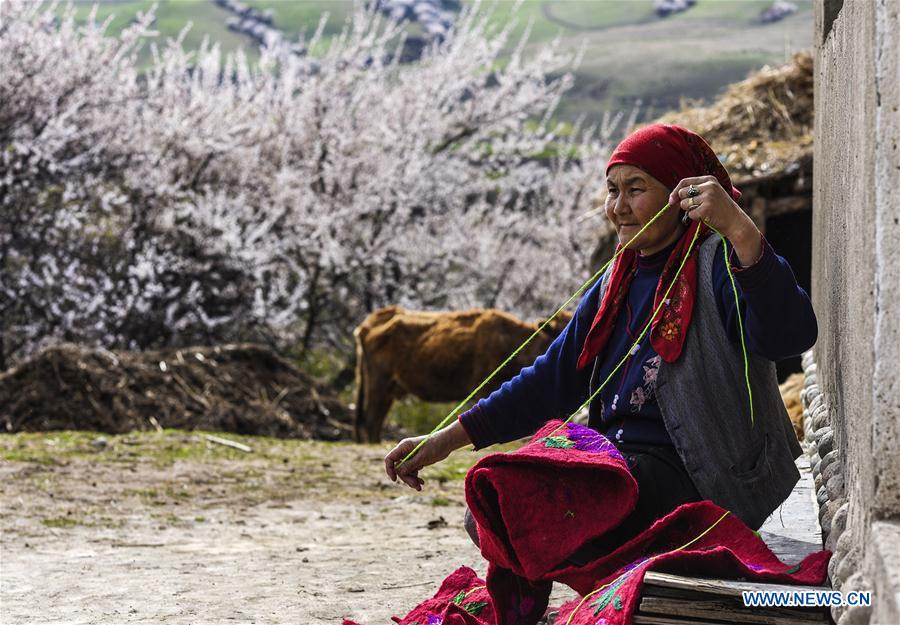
805,598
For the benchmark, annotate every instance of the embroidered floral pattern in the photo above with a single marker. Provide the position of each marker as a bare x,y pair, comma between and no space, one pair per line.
651,370
756,568
472,607
559,442
669,325
586,439
610,596
607,596
670,330
581,438
475,607
642,394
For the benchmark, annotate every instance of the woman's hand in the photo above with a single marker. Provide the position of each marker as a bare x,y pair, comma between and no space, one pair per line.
714,206
435,449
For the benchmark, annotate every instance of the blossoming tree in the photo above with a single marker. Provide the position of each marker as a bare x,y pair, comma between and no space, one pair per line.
204,198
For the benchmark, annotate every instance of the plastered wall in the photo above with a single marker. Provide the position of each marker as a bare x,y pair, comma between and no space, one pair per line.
856,279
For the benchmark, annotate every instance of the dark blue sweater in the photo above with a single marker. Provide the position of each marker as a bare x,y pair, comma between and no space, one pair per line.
778,322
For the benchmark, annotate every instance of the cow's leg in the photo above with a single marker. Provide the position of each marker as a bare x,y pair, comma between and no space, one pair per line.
379,398
373,397
359,418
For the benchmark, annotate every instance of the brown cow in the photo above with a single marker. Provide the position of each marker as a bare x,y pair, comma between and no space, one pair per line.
436,356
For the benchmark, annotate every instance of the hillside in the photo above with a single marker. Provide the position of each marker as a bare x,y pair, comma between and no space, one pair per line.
630,52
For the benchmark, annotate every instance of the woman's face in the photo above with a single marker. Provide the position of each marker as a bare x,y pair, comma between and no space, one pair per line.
633,198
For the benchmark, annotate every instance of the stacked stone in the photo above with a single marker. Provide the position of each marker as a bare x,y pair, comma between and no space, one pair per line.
831,496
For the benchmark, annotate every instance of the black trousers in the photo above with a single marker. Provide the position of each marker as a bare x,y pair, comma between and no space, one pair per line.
663,485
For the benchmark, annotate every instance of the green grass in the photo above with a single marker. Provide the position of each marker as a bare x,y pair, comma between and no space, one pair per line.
163,448
296,18
413,415
418,417
548,19
452,469
736,10
207,21
660,91
324,365
629,52
292,17
60,522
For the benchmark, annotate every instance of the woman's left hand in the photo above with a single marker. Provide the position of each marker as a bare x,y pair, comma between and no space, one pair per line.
713,205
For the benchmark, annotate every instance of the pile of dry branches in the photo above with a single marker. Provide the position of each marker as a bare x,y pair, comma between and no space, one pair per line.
246,389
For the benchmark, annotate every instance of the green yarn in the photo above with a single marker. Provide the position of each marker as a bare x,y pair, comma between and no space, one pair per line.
578,292
475,607
737,307
640,337
560,442
608,594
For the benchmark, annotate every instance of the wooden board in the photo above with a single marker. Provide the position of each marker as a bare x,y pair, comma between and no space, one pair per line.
730,611
723,587
652,619
792,533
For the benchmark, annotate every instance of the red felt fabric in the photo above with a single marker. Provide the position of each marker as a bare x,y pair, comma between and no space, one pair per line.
569,477
699,539
462,599
680,543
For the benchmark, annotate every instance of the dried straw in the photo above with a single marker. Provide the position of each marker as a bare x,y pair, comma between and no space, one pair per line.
761,126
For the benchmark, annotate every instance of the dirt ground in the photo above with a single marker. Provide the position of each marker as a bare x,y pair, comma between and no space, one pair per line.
171,528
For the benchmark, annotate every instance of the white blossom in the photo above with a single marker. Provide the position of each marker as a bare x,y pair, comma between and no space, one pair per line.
210,199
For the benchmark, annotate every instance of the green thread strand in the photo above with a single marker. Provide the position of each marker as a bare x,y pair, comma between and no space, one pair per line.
621,578
578,292
737,308
640,336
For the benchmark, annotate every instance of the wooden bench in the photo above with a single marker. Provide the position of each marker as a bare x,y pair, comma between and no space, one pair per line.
792,533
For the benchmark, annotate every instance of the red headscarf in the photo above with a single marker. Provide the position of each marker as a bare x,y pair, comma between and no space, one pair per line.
669,154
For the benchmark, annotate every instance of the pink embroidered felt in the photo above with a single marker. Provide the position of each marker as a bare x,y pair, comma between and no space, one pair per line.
537,505
521,534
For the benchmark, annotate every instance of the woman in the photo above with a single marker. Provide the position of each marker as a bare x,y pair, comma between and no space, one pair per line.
678,408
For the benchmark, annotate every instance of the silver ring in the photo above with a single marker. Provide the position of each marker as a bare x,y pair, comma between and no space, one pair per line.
693,191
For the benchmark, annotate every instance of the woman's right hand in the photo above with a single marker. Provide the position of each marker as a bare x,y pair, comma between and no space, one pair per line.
436,448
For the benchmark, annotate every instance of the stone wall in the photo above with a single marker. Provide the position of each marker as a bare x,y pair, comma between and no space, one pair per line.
856,292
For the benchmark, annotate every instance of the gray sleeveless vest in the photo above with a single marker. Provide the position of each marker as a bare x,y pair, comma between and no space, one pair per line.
748,469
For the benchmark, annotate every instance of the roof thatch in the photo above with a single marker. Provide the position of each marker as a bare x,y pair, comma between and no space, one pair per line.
760,127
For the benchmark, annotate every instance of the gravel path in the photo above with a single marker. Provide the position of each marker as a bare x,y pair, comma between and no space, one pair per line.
294,532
